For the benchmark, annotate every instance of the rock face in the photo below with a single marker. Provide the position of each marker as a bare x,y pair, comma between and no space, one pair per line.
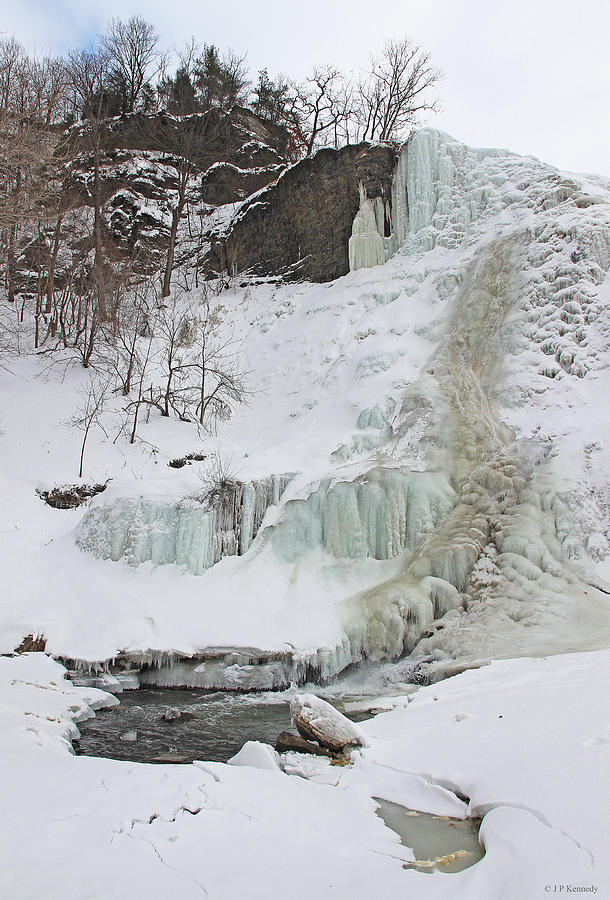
225,182
228,156
238,136
300,226
317,720
288,742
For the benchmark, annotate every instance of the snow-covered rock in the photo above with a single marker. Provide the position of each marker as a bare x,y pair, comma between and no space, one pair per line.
317,720
257,755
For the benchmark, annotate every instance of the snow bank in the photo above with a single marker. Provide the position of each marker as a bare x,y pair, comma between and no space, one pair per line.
499,735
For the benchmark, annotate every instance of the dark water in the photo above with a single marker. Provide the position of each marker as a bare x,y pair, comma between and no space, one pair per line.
440,843
215,728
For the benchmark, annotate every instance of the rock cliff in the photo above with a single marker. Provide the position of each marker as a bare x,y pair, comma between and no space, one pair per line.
300,226
228,156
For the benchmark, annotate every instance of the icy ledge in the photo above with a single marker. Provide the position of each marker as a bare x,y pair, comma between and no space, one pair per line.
189,532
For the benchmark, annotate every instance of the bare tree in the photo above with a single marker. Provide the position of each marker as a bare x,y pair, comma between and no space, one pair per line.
171,327
184,171
180,363
88,72
132,325
322,108
89,414
144,359
396,90
134,60
31,92
193,146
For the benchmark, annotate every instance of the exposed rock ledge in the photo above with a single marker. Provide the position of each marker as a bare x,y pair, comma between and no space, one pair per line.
300,226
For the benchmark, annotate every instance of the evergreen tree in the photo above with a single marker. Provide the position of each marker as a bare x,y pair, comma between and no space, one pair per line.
181,94
220,80
270,97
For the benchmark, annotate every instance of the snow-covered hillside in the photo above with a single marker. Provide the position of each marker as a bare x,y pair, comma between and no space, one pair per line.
444,415
422,465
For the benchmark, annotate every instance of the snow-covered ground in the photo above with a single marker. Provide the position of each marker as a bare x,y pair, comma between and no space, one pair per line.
445,418
523,739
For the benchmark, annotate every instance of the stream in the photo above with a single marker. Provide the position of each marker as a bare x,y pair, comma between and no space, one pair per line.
214,726
211,726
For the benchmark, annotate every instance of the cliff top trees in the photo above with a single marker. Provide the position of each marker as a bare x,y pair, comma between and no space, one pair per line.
133,58
326,108
395,91
220,79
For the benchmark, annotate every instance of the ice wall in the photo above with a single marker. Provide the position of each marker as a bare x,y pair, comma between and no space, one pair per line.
442,188
188,532
367,246
378,515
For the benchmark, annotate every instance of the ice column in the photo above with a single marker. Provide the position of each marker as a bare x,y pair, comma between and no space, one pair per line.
187,532
367,246
400,205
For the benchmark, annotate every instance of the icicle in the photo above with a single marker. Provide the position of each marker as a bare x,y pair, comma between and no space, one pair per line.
366,245
184,532
379,514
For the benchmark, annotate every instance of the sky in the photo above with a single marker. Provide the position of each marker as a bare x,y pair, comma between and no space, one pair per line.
529,75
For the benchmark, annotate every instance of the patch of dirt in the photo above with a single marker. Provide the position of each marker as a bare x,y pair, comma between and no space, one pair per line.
68,496
32,644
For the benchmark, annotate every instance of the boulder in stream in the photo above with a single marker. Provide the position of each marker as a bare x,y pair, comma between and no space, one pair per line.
317,720
287,742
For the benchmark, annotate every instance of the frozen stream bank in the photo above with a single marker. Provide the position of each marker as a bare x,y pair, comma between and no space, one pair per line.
500,734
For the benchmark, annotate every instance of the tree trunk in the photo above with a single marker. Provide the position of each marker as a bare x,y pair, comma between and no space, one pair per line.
169,264
52,263
97,233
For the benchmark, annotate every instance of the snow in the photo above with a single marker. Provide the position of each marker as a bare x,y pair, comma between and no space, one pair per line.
445,418
499,735
256,755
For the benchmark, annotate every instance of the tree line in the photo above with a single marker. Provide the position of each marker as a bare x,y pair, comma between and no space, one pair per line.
125,70
59,267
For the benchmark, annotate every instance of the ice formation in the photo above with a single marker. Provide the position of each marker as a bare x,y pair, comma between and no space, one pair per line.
377,515
192,533
512,257
367,245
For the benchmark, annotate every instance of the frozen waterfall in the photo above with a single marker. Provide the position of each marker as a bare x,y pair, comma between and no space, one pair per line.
440,188
188,532
435,528
367,246
378,515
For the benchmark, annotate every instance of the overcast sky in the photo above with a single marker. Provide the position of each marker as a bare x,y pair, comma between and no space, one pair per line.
530,75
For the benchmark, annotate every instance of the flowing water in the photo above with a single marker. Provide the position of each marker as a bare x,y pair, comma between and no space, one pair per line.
211,726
